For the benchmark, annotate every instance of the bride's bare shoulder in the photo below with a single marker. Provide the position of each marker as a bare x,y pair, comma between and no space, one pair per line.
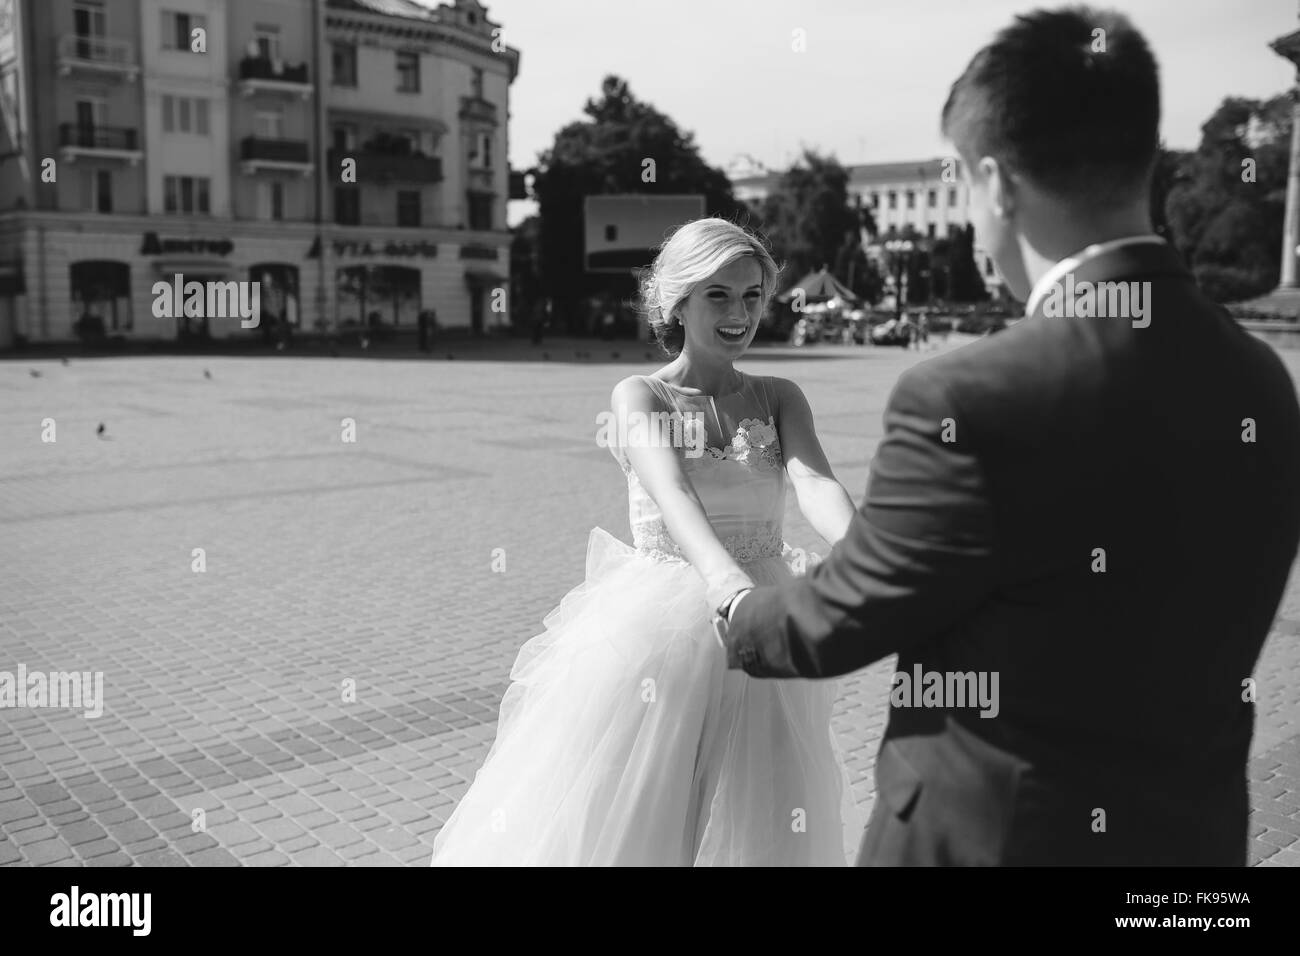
633,392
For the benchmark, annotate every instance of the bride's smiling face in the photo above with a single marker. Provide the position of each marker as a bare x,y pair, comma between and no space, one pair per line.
721,314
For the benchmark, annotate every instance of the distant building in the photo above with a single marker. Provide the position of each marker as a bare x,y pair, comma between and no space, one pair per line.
128,156
928,195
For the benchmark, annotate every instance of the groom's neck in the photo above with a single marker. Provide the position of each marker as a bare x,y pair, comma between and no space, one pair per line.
1053,231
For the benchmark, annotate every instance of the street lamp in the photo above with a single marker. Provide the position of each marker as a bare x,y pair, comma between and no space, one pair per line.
901,250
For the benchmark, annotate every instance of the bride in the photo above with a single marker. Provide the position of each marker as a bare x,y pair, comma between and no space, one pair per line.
623,738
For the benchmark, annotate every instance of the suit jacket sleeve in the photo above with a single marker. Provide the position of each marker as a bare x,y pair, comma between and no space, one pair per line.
918,555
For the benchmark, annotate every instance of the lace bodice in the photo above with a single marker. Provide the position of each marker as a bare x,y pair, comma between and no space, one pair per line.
729,449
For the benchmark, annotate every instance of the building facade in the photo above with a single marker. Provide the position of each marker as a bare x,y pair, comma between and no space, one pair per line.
349,156
925,198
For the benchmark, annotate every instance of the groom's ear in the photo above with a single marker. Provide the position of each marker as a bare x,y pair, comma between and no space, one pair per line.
1000,187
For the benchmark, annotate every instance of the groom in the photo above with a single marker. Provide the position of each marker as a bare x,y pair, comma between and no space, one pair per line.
1091,515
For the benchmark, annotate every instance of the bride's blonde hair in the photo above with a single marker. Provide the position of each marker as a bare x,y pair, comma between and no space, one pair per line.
690,255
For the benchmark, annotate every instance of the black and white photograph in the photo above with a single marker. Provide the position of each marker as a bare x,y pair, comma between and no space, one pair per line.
731,433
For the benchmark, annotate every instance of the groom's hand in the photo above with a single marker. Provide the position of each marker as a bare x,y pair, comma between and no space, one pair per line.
917,557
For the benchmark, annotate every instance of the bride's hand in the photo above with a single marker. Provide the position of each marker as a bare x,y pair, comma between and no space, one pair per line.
720,588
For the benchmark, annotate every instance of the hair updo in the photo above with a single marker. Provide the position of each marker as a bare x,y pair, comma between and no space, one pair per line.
692,254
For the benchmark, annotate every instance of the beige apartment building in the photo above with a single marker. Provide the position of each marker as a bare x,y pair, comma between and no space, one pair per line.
347,155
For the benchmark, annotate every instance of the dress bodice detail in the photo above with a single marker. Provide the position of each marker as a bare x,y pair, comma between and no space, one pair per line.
730,450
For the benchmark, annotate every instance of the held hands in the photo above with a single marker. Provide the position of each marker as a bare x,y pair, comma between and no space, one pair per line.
720,588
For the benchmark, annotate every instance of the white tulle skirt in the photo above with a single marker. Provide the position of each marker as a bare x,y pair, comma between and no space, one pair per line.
623,739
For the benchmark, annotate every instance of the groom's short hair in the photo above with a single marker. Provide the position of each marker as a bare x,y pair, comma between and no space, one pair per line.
1068,98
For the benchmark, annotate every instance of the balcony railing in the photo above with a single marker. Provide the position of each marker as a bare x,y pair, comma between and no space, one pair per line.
96,54
476,108
388,167
293,151
262,68
114,138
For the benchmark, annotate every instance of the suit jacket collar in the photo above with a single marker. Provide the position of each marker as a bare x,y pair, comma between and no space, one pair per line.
1145,256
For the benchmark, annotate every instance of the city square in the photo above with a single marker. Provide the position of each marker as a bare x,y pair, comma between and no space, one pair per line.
304,581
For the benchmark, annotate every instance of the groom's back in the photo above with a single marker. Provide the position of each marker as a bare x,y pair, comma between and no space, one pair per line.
1145,489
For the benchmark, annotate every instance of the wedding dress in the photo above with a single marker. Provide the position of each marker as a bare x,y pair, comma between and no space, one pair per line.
623,738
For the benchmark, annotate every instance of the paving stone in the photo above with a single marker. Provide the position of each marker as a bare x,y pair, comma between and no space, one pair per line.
233,702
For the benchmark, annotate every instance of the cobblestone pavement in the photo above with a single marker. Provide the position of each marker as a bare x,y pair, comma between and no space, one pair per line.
326,688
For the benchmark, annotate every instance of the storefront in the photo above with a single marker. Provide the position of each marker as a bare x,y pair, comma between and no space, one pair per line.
278,294
377,295
12,289
100,293
62,275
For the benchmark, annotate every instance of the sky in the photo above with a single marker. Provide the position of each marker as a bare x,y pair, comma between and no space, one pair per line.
871,81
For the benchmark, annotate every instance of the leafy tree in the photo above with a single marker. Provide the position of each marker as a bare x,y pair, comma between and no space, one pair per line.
965,282
605,153
808,218
1226,204
525,274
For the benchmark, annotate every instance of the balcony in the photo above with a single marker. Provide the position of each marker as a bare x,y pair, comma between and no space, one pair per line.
480,179
274,156
258,74
99,142
476,108
91,57
383,168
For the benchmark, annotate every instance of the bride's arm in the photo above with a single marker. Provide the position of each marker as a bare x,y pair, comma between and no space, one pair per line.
822,499
660,473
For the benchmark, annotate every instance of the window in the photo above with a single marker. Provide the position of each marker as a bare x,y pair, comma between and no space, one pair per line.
478,82
101,289
911,199
988,267
480,211
929,230
88,22
98,190
270,199
90,113
952,197
893,199
268,124
412,137
343,60
185,194
408,207
480,154
347,205
934,198
875,200
183,114
345,137
178,29
408,72
267,40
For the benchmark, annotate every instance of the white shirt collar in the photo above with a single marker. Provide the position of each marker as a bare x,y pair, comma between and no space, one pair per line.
1055,274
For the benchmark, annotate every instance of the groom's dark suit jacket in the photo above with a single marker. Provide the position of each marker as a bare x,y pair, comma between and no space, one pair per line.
1072,445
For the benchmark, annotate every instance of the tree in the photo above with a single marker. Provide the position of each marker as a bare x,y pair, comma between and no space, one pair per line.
856,270
965,282
607,153
808,219
1225,207
525,274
